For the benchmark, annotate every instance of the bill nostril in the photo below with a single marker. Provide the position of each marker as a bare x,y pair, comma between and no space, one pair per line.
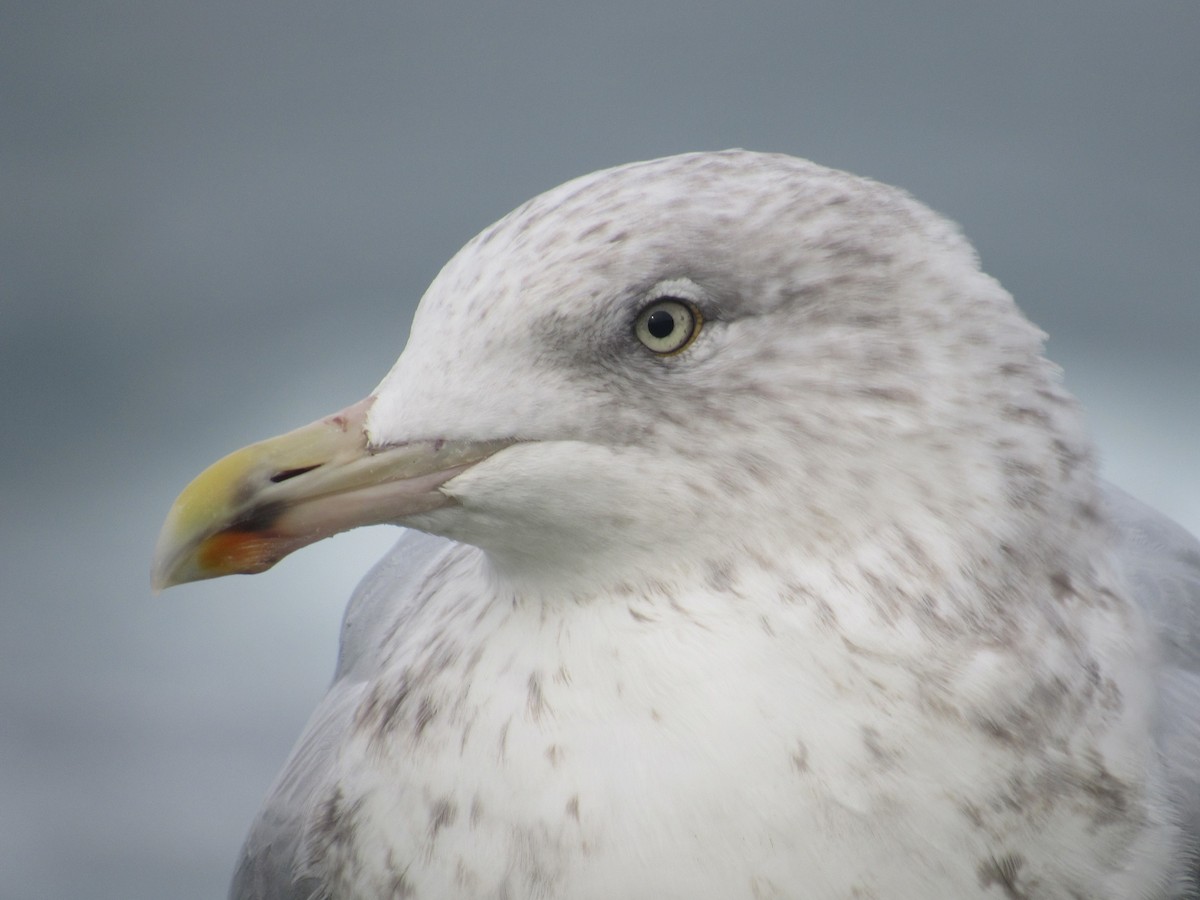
287,474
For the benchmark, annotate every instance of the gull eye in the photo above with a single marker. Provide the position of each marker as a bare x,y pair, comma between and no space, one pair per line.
667,325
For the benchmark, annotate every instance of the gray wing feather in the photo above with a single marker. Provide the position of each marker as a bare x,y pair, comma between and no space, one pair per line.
1162,565
271,865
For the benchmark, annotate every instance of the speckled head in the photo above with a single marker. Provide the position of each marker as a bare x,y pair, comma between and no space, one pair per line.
851,368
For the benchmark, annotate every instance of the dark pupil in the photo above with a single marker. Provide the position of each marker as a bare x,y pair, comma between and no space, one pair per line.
661,323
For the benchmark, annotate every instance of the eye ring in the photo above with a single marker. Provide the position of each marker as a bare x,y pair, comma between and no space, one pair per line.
668,325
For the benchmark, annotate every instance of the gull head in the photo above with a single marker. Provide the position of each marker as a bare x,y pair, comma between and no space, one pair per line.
662,363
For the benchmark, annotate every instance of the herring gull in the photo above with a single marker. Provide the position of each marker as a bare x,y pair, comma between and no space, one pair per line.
763,557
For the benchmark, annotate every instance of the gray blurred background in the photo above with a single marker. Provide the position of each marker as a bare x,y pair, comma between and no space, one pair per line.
216,218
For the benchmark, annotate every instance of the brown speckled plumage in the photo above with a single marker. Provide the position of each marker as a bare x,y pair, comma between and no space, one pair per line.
829,604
